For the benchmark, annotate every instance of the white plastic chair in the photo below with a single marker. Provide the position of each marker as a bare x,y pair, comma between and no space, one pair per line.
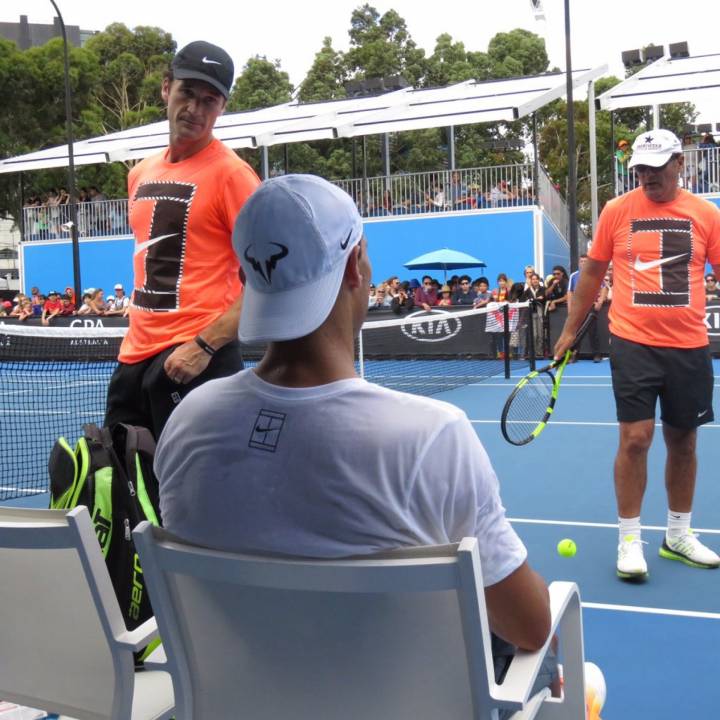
404,637
64,646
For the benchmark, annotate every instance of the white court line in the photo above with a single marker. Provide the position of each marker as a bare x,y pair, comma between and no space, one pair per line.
533,521
573,385
652,611
583,422
565,385
20,490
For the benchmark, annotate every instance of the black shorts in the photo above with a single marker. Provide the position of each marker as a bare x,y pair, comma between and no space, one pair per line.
142,394
682,379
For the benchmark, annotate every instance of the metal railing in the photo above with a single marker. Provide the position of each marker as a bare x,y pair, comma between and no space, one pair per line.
402,194
442,190
101,218
552,202
701,172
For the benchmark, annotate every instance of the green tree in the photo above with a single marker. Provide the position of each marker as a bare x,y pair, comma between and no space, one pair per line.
450,63
516,53
381,46
325,79
260,84
132,64
32,83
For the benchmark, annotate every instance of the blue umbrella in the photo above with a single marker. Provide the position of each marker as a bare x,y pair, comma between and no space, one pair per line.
445,260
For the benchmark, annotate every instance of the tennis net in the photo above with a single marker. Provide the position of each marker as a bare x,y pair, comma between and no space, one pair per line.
54,380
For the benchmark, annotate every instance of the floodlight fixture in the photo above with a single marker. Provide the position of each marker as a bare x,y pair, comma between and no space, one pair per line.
630,58
679,50
538,9
653,52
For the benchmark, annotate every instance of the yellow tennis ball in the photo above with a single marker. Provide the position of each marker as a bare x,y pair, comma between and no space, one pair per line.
566,548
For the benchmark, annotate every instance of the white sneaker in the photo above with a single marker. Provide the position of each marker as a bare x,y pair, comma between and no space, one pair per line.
688,549
631,563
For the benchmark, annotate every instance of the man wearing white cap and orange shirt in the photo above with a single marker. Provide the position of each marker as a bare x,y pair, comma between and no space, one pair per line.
659,238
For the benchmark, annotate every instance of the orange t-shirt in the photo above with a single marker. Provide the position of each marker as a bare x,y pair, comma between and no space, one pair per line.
186,273
659,252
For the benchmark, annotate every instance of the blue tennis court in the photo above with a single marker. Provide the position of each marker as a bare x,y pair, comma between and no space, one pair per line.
658,642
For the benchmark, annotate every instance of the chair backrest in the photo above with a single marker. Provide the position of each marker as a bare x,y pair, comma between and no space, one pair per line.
59,616
267,638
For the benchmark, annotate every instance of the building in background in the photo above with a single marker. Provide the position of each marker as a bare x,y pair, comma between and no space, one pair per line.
26,34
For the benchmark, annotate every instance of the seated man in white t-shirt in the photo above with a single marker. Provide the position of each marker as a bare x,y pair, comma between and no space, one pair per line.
288,457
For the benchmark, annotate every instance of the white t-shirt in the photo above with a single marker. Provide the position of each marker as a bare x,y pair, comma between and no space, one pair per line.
347,468
118,303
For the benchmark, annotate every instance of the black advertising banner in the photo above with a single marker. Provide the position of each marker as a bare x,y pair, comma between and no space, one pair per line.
557,320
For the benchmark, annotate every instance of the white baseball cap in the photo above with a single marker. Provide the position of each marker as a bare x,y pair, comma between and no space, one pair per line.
293,237
118,286
654,148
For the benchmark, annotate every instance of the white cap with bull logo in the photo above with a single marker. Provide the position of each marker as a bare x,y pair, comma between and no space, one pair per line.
293,237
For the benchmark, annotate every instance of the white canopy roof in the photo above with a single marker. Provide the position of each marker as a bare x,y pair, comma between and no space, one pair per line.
407,109
690,79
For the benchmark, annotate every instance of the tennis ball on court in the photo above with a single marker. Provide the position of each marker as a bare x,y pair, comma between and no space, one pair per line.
566,548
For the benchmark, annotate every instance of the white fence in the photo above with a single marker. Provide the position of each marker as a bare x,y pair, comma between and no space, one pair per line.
95,219
701,172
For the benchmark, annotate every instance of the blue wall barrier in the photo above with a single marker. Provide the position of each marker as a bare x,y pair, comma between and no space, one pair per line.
503,240
556,250
103,263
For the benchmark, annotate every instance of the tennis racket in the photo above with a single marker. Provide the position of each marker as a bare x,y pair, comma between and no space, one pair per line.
528,409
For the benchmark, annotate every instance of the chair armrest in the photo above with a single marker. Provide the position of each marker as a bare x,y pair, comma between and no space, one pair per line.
138,638
565,615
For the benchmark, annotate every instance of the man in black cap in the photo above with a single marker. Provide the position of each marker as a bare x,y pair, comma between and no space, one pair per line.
187,288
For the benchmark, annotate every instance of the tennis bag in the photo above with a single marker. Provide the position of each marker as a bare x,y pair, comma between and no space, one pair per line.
110,472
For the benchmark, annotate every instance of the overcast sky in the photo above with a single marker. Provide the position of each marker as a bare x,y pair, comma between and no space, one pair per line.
293,31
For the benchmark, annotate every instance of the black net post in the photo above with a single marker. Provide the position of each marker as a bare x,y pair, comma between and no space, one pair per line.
530,343
506,338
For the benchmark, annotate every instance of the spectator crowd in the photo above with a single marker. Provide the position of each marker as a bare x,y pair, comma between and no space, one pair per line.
438,196
545,295
48,306
47,216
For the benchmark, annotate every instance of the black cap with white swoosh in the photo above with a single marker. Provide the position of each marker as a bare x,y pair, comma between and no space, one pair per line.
204,61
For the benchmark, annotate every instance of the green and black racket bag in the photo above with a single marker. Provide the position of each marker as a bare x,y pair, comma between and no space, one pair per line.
110,472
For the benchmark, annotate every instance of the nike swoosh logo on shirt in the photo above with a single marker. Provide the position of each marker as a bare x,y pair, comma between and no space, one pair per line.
144,245
207,61
650,264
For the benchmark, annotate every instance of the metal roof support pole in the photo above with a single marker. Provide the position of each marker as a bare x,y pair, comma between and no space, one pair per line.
386,160
536,160
572,169
21,193
286,158
593,156
71,162
451,147
265,165
656,117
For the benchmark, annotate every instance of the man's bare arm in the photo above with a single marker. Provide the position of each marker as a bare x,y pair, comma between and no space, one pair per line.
584,296
519,608
188,360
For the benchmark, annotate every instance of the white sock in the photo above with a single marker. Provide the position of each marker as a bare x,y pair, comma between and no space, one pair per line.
677,524
629,526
